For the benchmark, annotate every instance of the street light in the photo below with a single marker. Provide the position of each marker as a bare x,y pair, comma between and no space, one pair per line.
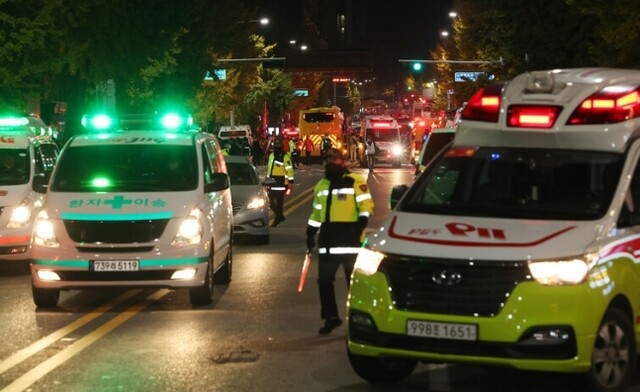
262,21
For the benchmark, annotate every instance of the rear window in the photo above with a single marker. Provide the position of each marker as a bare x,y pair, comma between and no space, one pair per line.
319,117
126,168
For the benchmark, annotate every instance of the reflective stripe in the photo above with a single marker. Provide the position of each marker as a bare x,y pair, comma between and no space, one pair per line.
318,206
288,167
365,213
278,188
278,163
339,250
313,223
324,193
362,197
290,178
343,191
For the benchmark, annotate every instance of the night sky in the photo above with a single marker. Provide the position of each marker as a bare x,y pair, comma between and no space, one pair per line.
394,29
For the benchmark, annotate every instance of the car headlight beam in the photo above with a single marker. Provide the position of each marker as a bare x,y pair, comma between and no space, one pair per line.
560,272
368,261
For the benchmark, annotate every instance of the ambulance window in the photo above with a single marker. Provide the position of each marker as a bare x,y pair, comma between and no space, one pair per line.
126,168
630,213
14,166
207,163
46,155
516,183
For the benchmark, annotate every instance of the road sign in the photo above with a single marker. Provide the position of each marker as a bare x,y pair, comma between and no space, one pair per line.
300,92
466,76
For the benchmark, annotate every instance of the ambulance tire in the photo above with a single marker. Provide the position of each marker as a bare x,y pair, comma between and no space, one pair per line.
45,298
223,274
381,370
613,360
203,295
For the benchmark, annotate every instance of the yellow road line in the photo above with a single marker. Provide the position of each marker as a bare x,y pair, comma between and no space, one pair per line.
35,374
57,335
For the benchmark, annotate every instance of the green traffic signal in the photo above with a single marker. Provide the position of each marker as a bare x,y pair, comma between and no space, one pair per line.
416,67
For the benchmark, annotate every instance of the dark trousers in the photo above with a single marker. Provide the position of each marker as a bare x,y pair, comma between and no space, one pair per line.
276,202
327,267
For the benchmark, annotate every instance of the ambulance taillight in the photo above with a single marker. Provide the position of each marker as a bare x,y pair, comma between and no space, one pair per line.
484,105
612,104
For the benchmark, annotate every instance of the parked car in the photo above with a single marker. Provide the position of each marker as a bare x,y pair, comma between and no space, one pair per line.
250,201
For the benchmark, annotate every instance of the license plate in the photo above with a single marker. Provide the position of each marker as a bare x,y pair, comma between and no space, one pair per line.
430,329
115,265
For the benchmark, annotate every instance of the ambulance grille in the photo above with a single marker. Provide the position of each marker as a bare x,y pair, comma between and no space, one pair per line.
115,232
452,287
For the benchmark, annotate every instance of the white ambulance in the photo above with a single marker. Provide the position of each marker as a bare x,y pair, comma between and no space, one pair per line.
26,153
385,132
143,203
520,246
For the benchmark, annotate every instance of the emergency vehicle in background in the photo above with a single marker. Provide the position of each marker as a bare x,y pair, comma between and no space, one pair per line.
149,206
385,132
27,151
318,122
519,246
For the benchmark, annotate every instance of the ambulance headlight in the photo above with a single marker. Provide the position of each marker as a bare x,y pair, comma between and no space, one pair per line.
397,150
368,261
559,272
190,230
20,216
43,232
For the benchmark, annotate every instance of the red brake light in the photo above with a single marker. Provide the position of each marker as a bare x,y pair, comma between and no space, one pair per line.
484,105
610,105
524,116
461,152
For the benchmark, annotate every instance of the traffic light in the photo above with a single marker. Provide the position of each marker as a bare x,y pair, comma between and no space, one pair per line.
416,67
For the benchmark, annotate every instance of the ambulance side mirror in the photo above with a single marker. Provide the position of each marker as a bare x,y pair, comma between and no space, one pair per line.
40,183
219,182
396,194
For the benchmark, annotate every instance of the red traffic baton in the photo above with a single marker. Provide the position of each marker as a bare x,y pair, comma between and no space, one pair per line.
305,270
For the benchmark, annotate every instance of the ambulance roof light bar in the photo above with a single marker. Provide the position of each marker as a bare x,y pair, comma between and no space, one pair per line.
612,104
13,121
484,105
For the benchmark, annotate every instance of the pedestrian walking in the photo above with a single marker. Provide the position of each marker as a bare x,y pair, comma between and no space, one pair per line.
371,149
341,209
280,168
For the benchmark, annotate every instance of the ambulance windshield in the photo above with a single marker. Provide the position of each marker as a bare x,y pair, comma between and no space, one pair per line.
517,183
14,166
128,168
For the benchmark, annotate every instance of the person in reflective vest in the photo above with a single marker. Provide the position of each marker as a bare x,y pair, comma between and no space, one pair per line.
341,209
280,168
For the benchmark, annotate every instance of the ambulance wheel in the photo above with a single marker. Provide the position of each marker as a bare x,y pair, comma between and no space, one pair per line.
203,295
45,298
381,370
223,274
613,360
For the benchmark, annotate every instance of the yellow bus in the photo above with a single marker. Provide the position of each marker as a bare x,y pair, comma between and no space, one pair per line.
321,121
